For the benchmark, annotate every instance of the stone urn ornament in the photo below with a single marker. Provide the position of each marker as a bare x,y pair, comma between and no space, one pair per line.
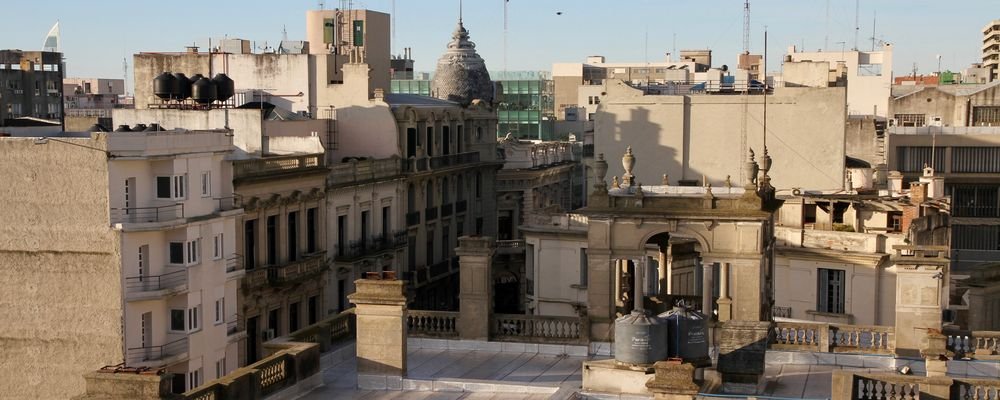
628,162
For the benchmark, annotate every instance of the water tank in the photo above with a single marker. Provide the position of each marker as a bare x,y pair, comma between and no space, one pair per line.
154,128
640,339
97,128
203,91
183,85
225,87
165,86
139,128
687,334
123,128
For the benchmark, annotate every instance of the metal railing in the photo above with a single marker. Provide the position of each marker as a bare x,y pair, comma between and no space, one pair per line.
438,324
226,203
431,213
944,130
152,283
781,312
541,329
371,246
277,275
271,165
136,215
234,325
156,353
446,210
413,218
453,160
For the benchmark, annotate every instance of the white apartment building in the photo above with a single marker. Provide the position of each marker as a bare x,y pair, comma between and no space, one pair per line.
991,49
171,199
869,76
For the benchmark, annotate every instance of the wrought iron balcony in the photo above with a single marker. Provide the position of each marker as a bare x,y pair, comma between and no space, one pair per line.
157,353
413,218
446,210
374,245
134,215
147,287
289,273
430,214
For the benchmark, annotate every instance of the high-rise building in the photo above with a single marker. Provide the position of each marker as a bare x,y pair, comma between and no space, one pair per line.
991,49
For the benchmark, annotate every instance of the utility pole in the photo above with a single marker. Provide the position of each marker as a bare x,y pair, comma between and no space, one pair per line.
746,27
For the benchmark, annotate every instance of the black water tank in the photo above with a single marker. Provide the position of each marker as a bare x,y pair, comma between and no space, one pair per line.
687,334
139,128
225,87
183,86
640,339
165,86
123,128
153,128
203,91
97,128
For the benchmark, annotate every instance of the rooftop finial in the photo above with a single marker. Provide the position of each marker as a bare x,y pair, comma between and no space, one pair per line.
460,11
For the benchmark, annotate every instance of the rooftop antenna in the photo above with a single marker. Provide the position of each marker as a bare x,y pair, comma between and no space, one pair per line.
392,17
857,22
874,19
826,37
322,5
284,33
505,36
673,51
125,73
746,27
460,11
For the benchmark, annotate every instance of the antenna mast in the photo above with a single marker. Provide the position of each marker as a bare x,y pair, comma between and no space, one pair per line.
505,36
857,22
746,94
125,74
746,27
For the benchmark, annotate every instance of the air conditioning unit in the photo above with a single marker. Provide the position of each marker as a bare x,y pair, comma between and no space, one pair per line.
268,334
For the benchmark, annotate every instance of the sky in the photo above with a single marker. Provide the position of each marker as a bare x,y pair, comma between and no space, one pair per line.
97,35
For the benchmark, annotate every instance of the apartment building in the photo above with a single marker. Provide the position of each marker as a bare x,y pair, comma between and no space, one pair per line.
946,105
869,76
168,228
991,49
535,176
32,85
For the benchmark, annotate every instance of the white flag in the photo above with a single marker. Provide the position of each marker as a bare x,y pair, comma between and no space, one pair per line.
52,39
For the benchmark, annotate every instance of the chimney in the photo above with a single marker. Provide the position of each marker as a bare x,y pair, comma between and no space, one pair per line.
895,183
918,192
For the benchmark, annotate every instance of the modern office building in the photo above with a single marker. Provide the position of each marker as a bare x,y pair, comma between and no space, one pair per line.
525,109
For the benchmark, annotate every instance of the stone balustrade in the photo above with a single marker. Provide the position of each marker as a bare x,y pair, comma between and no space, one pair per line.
433,324
836,338
851,385
977,344
540,329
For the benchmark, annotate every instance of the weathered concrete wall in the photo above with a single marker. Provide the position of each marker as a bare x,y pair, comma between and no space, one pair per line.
687,137
60,264
931,103
861,140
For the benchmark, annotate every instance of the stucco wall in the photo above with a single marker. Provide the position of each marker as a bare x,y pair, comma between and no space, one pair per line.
795,285
687,137
61,280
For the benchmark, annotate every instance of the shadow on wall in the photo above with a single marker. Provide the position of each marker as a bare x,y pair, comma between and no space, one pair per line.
625,133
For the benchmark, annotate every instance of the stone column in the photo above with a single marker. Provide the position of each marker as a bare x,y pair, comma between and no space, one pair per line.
673,381
921,295
381,326
618,272
725,303
706,287
664,269
475,295
602,289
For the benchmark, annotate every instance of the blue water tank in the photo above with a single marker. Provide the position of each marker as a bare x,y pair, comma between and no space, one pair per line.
640,339
687,334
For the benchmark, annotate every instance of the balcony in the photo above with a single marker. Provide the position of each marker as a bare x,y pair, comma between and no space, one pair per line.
145,215
281,275
271,166
413,218
157,355
372,246
140,288
443,162
235,267
461,206
430,214
510,246
446,210
364,171
235,329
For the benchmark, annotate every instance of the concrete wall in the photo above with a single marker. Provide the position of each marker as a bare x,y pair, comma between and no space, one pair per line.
61,284
688,137
932,103
861,140
556,263
805,74
866,95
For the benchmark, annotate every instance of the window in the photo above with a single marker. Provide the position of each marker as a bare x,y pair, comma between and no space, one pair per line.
583,267
170,187
445,239
194,379
220,310
869,69
830,291
479,184
365,226
311,217
479,226
250,244
428,145
386,221
293,317
986,116
272,240
272,320
910,120
217,247
194,321
430,247
313,311
341,234
220,367
914,158
359,33
429,194
193,251
177,253
206,184
177,320
293,236
978,159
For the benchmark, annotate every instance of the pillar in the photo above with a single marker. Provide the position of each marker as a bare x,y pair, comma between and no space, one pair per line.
665,271
921,295
475,295
602,289
725,303
706,287
381,326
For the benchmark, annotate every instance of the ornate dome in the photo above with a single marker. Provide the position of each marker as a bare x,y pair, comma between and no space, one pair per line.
461,74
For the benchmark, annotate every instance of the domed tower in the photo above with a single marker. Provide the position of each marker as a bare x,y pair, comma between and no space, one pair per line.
461,74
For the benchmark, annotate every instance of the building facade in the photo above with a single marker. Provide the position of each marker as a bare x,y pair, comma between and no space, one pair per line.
32,85
991,50
869,76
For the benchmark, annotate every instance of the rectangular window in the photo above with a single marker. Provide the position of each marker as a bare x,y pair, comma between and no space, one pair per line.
194,378
329,30
311,233
163,187
217,247
386,222
986,116
180,186
981,160
177,320
445,247
911,120
250,244
293,236
272,240
479,185
913,158
359,33
272,320
428,145
177,253
831,291
429,260
194,320
193,251
293,317
220,368
220,310
313,311
206,184
583,267
341,235
365,225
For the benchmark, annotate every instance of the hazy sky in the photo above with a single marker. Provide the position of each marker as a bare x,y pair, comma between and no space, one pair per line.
97,34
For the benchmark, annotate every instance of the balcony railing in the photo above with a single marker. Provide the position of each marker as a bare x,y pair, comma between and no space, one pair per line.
541,329
835,338
853,384
157,353
234,325
976,344
413,218
372,246
431,213
234,263
445,161
510,246
279,275
439,324
446,210
134,215
461,206
276,165
170,280
365,171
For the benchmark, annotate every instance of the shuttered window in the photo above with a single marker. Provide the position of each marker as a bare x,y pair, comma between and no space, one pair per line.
975,159
830,291
913,159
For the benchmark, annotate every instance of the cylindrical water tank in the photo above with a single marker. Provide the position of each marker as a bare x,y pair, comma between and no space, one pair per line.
165,86
640,339
225,87
203,91
183,86
687,334
139,128
123,128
